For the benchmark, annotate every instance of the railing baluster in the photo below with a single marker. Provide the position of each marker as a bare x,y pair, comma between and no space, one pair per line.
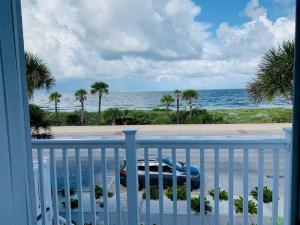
216,187
161,188
202,187
79,186
67,186
275,186
188,185
174,182
42,187
230,185
54,186
245,186
92,186
260,186
117,181
104,180
147,186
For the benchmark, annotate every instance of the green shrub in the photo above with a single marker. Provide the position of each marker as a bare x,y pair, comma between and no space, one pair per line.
138,117
39,123
267,194
238,205
99,192
113,116
181,193
195,205
73,119
223,195
74,203
154,193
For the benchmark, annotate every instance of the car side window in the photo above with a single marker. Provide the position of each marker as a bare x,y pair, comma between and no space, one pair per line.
142,168
153,168
167,169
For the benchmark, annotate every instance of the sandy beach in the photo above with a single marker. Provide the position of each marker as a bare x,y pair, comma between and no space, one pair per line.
263,129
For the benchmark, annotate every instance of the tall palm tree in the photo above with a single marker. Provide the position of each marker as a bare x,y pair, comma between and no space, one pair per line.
99,88
81,97
189,96
55,97
178,95
38,74
167,100
274,77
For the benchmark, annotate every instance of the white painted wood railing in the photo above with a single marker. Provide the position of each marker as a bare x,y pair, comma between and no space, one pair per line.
96,153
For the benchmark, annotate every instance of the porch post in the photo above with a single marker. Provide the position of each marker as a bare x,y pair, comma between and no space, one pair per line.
295,209
131,177
16,172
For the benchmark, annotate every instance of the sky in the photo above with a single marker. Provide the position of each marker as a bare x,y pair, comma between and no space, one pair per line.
155,45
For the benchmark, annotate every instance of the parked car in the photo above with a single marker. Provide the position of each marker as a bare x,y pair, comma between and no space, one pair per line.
167,168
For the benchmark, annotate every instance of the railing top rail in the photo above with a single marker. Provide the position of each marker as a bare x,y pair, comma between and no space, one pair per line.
203,142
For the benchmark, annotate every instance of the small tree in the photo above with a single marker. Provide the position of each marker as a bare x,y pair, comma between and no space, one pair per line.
80,96
189,96
195,205
55,97
238,204
112,115
167,100
223,195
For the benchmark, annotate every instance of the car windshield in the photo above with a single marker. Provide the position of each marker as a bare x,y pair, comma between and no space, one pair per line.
179,166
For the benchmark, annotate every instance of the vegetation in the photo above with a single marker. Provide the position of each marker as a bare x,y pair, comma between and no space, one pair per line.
55,97
38,74
177,95
113,116
154,193
81,97
195,205
181,193
99,88
39,123
267,194
275,75
238,205
223,195
189,96
99,192
74,203
167,100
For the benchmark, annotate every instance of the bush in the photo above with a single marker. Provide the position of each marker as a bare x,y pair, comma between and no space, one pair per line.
238,205
267,194
181,193
74,203
195,205
73,119
72,192
113,116
223,195
99,192
40,126
154,193
138,117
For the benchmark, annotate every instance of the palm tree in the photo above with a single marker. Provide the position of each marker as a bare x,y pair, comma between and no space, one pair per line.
177,94
275,75
167,100
189,96
100,88
55,97
38,74
81,97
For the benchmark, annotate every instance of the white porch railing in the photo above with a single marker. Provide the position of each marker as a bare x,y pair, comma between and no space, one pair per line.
231,159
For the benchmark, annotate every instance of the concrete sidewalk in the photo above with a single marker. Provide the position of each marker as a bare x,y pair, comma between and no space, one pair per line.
263,129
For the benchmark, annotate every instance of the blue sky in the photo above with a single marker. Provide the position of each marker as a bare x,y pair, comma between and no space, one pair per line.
148,45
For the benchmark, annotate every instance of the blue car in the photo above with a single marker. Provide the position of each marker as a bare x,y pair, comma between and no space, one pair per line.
167,167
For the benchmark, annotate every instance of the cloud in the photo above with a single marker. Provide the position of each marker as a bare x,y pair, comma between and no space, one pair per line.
160,41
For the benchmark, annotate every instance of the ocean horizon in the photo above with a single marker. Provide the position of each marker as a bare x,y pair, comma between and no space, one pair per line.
147,100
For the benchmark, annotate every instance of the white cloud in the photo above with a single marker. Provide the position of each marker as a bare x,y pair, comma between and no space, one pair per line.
154,39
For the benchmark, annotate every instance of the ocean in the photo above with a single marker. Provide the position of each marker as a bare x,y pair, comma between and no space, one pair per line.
209,99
